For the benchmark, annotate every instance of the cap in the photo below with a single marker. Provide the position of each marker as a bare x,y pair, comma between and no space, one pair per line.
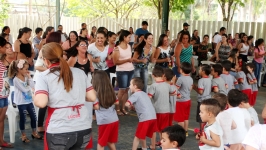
185,24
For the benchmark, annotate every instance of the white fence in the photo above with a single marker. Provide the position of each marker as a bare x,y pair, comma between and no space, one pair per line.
257,29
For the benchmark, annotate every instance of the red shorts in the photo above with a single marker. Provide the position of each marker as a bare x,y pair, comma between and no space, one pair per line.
162,121
253,98
171,118
146,129
182,111
90,145
248,92
108,133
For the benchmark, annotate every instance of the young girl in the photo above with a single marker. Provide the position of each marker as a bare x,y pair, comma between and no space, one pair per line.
23,96
253,82
243,78
104,106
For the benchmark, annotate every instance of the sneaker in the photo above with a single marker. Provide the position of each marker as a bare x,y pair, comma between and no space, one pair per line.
186,134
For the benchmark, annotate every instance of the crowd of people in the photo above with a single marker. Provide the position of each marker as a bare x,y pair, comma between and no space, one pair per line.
72,83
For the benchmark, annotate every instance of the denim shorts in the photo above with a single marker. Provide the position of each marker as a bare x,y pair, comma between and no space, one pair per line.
176,72
123,78
3,102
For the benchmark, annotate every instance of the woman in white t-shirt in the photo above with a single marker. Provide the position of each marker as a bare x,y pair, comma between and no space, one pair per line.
64,90
132,36
243,48
162,53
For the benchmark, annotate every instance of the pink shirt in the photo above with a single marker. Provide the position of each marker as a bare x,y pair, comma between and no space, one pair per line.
125,54
262,51
110,63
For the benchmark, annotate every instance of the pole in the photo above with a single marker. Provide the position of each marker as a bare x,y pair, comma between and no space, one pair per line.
165,15
57,13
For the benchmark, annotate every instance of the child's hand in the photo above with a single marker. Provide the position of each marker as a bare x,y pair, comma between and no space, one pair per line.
173,79
197,136
202,138
178,96
28,74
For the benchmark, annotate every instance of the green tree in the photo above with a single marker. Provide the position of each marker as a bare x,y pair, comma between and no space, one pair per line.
230,5
4,9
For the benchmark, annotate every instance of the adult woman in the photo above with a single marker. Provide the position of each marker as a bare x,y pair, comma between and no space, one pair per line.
223,49
162,53
243,48
132,36
141,58
251,45
183,53
98,52
83,35
124,68
23,45
234,41
109,61
93,34
72,40
36,41
79,57
195,36
6,30
259,53
68,125
47,31
233,58
4,88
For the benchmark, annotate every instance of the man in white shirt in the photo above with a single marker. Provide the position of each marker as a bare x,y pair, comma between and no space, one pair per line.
218,38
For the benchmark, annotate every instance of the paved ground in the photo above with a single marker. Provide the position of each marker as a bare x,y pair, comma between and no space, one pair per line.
127,129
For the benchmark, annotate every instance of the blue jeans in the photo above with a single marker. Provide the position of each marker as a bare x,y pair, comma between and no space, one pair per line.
143,74
3,102
124,78
23,109
257,70
176,72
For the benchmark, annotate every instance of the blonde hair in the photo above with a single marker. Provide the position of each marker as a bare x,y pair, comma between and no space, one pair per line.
13,67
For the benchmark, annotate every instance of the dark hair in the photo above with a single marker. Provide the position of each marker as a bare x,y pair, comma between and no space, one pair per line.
54,37
83,24
158,71
212,105
104,34
13,67
194,32
242,41
72,51
217,68
160,42
225,35
222,29
2,41
245,70
215,34
38,30
138,82
183,34
186,67
48,29
251,65
258,42
5,28
234,97
3,35
176,133
206,35
76,34
101,29
123,34
59,26
168,73
206,68
92,34
244,98
241,35
144,23
110,34
233,53
22,31
80,32
222,99
250,37
227,65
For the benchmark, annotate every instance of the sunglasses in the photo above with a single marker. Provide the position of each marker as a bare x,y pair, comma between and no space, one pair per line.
83,45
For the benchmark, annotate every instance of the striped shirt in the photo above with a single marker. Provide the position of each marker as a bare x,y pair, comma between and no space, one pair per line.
186,54
4,84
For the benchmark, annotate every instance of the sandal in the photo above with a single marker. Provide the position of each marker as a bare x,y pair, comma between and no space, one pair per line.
7,145
25,139
119,113
36,136
124,112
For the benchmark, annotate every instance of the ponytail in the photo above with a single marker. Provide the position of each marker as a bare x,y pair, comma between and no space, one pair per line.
65,74
13,69
22,31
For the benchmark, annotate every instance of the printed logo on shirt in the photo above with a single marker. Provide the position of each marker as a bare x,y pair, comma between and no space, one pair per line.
6,87
74,116
27,96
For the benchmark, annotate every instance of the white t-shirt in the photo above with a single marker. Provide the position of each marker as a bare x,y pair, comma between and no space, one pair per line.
39,62
22,91
256,137
132,37
225,121
217,38
242,119
216,129
93,50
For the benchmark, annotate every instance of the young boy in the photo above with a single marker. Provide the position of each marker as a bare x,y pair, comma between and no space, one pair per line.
184,85
245,104
203,89
159,92
224,119
173,137
212,135
218,84
230,80
240,116
169,77
147,117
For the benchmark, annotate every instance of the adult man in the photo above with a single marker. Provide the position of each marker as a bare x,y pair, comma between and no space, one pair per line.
185,28
63,34
143,30
218,38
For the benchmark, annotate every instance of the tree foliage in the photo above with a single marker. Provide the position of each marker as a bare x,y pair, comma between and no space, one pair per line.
232,5
4,9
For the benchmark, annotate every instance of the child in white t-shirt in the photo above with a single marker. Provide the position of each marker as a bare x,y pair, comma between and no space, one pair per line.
255,139
211,138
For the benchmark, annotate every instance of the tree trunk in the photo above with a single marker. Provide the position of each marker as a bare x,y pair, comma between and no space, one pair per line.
159,10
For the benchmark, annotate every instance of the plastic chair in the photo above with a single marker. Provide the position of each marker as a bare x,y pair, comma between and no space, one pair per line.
262,73
112,75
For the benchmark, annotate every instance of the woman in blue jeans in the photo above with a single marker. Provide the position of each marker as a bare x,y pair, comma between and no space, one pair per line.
142,57
259,53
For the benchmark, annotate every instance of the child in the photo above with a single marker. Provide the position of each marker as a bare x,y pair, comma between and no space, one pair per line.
224,119
203,89
173,137
240,62
147,117
159,92
104,106
240,116
184,85
23,84
244,78
213,133
254,85
169,77
218,84
230,80
245,104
